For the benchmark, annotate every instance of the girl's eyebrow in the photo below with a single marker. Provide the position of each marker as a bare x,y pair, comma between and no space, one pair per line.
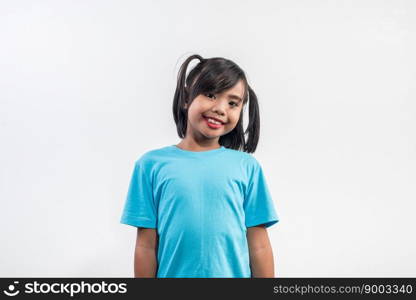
232,96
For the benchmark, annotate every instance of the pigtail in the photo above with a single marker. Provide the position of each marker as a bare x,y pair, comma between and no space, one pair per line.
253,127
181,97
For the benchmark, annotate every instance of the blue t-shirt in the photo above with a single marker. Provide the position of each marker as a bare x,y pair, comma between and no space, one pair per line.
201,204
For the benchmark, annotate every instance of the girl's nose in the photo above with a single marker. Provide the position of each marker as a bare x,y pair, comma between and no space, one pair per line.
218,110
219,106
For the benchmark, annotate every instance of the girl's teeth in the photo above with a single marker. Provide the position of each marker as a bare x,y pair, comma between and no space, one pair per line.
213,121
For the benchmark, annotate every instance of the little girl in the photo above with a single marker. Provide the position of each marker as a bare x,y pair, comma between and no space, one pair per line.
202,207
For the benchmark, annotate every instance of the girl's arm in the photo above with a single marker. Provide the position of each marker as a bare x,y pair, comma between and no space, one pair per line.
145,255
261,254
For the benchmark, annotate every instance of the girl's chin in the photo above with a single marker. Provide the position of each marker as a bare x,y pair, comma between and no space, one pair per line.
212,132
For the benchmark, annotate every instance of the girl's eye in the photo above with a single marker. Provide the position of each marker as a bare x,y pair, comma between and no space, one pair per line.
210,95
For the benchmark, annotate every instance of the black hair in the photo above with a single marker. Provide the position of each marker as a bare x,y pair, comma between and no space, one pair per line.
215,75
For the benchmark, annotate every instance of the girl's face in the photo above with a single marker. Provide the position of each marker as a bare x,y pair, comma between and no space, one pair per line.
224,107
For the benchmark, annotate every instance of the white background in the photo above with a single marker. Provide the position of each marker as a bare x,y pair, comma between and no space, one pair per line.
86,87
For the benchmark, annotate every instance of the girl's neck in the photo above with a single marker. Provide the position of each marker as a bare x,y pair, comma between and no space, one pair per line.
198,146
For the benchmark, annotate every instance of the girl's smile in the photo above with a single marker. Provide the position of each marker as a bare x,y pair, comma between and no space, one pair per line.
211,123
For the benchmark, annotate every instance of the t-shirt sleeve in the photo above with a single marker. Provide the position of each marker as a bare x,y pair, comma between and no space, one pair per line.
258,204
139,208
